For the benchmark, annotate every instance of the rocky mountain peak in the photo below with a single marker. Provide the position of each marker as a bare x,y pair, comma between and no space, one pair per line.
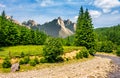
29,23
59,18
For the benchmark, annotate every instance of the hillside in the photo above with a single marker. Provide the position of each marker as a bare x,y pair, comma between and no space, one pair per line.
109,33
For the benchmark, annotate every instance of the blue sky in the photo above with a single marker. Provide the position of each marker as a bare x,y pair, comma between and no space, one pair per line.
103,12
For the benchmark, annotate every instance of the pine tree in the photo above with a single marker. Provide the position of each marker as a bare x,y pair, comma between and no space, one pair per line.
84,35
3,15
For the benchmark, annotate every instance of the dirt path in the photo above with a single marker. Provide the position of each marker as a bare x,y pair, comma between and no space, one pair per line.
95,68
115,60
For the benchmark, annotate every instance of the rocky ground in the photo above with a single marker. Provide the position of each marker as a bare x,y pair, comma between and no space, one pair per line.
99,67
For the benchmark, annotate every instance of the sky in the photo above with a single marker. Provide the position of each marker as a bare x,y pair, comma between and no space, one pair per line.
104,13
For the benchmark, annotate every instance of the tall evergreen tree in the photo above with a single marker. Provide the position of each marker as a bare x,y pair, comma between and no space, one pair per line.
84,35
3,15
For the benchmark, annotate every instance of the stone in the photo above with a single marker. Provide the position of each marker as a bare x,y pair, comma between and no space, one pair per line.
15,67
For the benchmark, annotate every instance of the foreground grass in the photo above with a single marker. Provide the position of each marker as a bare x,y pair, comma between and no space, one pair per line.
32,50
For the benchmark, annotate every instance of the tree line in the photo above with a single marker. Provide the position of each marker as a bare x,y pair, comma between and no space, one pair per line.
14,34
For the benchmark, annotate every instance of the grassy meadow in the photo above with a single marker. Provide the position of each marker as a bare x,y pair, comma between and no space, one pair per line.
32,50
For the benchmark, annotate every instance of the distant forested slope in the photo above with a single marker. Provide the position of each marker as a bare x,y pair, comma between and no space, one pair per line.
109,33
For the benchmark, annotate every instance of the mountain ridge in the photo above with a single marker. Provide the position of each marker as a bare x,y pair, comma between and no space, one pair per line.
56,27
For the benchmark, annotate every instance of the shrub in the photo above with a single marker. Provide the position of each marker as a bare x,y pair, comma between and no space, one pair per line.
21,62
6,63
118,52
92,51
59,59
79,55
36,60
105,46
52,50
26,59
43,60
22,54
32,63
85,52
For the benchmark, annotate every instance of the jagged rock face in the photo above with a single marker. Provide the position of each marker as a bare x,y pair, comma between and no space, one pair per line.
64,32
57,28
51,28
29,23
70,25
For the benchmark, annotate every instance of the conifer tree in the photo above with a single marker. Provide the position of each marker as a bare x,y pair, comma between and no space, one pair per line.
84,35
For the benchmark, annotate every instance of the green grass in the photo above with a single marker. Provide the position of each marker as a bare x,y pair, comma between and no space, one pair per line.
33,50
16,50
71,48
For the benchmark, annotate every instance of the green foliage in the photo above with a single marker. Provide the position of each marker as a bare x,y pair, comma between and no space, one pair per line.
32,62
85,52
43,60
92,51
109,34
14,34
26,59
118,51
22,54
6,63
53,49
84,35
21,62
105,46
36,60
79,55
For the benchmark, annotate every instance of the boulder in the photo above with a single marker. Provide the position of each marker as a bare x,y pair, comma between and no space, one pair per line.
15,67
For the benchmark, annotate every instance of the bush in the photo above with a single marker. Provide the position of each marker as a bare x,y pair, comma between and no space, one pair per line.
26,59
32,63
118,52
6,63
85,52
22,54
36,60
79,55
105,46
52,50
92,52
59,59
21,62
43,60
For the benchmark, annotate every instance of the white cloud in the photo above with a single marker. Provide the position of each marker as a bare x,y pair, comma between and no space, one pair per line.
2,5
106,5
75,17
95,14
46,3
115,12
106,20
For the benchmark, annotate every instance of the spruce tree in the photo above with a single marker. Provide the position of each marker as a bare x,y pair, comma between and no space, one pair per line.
84,35
3,15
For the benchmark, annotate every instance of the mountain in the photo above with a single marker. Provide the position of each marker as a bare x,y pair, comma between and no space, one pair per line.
55,28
